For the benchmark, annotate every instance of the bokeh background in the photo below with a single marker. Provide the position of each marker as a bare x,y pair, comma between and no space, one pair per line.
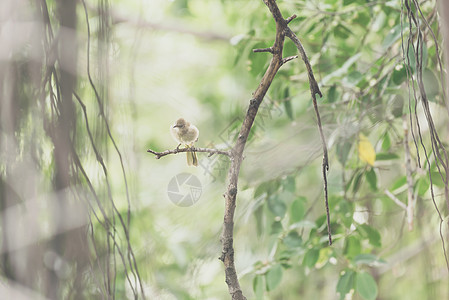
89,86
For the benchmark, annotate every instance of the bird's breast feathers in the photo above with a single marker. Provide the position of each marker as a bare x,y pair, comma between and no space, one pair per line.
185,135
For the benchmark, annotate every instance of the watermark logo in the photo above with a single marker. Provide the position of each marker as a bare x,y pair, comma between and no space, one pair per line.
184,189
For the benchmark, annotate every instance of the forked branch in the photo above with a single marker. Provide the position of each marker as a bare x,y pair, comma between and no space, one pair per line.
282,30
236,153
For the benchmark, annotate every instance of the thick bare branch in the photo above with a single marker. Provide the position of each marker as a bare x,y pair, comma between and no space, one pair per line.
227,256
237,152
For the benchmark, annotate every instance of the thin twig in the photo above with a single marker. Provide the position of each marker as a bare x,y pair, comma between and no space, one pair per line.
125,225
289,19
190,149
287,59
269,49
441,159
395,200
314,90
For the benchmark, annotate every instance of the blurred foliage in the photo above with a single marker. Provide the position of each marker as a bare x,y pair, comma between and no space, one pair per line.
159,60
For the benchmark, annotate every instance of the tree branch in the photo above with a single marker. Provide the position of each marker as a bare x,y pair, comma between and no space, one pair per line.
289,19
287,59
236,153
191,149
314,89
269,49
395,200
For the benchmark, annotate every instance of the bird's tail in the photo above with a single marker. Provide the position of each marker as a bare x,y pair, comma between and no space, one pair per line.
192,159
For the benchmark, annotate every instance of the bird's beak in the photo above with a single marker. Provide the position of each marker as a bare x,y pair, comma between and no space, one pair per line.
174,126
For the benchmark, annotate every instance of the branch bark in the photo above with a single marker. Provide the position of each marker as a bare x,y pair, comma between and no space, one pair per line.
191,149
276,62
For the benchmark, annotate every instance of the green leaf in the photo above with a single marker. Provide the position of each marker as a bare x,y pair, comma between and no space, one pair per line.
422,185
273,277
399,75
321,222
284,259
397,106
297,210
424,56
357,182
362,18
276,227
260,190
342,31
311,257
332,94
272,186
372,179
289,184
290,48
386,143
379,21
392,36
386,156
431,84
258,286
345,283
346,211
352,246
366,285
288,109
257,61
276,206
240,44
343,70
331,2
371,233
411,60
292,240
325,255
436,179
399,183
408,107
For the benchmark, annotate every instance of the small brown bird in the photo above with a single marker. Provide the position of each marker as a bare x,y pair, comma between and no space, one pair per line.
187,134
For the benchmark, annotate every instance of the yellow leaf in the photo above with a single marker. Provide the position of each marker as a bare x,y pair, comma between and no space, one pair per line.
366,150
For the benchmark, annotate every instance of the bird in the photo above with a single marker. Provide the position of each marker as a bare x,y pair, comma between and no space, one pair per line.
186,134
